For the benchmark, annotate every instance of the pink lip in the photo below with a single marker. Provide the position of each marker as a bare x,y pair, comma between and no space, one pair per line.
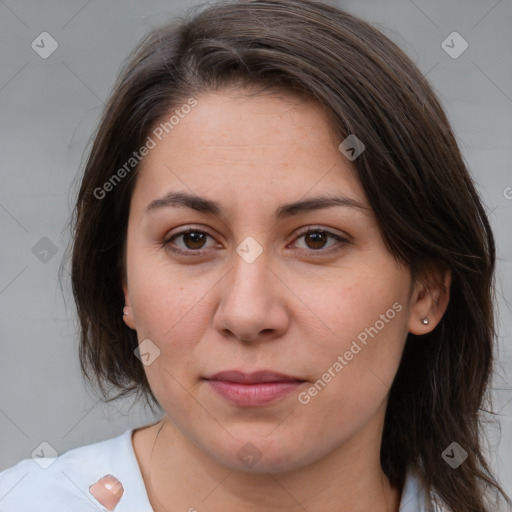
252,390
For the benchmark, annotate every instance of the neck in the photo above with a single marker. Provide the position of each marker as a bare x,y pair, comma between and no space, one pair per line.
349,478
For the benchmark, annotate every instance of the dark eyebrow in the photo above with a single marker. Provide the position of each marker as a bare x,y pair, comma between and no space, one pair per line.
208,206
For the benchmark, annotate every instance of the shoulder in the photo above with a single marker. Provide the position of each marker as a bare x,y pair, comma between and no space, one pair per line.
415,497
47,484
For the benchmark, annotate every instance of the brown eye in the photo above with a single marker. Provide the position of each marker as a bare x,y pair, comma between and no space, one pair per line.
316,240
190,241
194,239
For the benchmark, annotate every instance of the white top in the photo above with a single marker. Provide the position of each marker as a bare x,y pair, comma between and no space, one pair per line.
60,483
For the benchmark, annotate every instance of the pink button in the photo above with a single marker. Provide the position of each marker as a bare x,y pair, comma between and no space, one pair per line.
108,491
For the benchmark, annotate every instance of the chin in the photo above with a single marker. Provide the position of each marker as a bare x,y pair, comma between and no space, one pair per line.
260,453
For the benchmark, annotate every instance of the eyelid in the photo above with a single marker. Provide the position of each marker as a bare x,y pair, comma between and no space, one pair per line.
183,231
330,231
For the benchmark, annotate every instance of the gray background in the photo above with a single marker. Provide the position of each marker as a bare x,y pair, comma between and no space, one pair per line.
50,108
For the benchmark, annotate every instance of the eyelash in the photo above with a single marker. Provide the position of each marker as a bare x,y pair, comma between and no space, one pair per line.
166,243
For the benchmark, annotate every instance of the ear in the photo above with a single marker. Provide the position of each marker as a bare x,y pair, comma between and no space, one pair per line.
127,310
429,300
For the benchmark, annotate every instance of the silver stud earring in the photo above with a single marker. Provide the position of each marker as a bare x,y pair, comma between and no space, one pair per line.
424,321
124,311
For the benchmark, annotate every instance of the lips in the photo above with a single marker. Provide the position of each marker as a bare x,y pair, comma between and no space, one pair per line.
256,389
258,377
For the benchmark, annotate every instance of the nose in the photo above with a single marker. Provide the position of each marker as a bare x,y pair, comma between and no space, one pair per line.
252,302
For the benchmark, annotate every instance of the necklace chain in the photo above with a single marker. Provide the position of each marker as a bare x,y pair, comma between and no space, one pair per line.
160,504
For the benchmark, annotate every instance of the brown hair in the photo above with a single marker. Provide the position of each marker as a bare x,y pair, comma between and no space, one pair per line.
413,174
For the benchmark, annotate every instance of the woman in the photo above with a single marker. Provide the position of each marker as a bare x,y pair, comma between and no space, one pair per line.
278,244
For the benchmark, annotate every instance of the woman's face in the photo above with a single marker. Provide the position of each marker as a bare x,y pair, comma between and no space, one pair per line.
248,290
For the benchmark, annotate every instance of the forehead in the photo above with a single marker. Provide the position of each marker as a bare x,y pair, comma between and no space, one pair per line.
247,147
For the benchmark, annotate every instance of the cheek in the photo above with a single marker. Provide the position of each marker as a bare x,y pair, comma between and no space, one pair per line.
363,324
353,379
166,301
359,300
172,311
